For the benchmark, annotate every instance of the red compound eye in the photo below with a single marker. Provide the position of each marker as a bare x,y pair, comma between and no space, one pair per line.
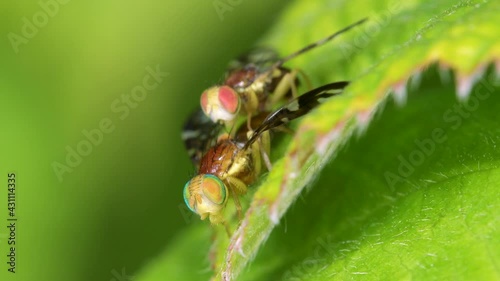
229,99
204,101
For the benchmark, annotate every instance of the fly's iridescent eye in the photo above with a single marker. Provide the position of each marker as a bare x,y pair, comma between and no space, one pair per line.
214,189
229,99
187,197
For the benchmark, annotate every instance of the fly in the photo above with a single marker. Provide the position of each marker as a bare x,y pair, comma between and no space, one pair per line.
232,164
255,83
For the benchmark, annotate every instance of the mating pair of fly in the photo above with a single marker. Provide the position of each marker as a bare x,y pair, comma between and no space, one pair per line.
228,163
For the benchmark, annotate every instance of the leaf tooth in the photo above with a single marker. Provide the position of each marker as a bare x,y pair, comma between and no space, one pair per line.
239,247
324,141
444,73
294,163
274,215
400,93
364,117
465,83
415,79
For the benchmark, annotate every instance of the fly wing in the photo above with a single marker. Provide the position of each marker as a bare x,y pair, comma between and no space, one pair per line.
199,133
297,107
260,58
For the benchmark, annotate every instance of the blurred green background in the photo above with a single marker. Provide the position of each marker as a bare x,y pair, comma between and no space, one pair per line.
121,204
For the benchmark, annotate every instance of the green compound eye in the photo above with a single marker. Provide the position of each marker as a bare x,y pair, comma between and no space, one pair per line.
205,194
214,189
187,197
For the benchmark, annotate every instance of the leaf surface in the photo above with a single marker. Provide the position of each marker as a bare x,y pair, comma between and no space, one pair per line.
413,194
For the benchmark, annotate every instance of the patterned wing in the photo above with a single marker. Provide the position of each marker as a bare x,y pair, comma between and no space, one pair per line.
260,58
297,107
198,134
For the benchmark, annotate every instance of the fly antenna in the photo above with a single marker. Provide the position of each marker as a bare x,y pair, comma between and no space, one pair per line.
318,43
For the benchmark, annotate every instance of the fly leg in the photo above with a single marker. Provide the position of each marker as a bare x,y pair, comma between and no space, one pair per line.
265,149
261,149
236,188
216,219
251,106
228,231
286,84
306,78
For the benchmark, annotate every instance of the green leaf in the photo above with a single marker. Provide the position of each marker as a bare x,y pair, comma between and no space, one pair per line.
414,195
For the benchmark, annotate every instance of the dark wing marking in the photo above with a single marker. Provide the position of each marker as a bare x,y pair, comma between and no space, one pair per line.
297,108
198,134
318,43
